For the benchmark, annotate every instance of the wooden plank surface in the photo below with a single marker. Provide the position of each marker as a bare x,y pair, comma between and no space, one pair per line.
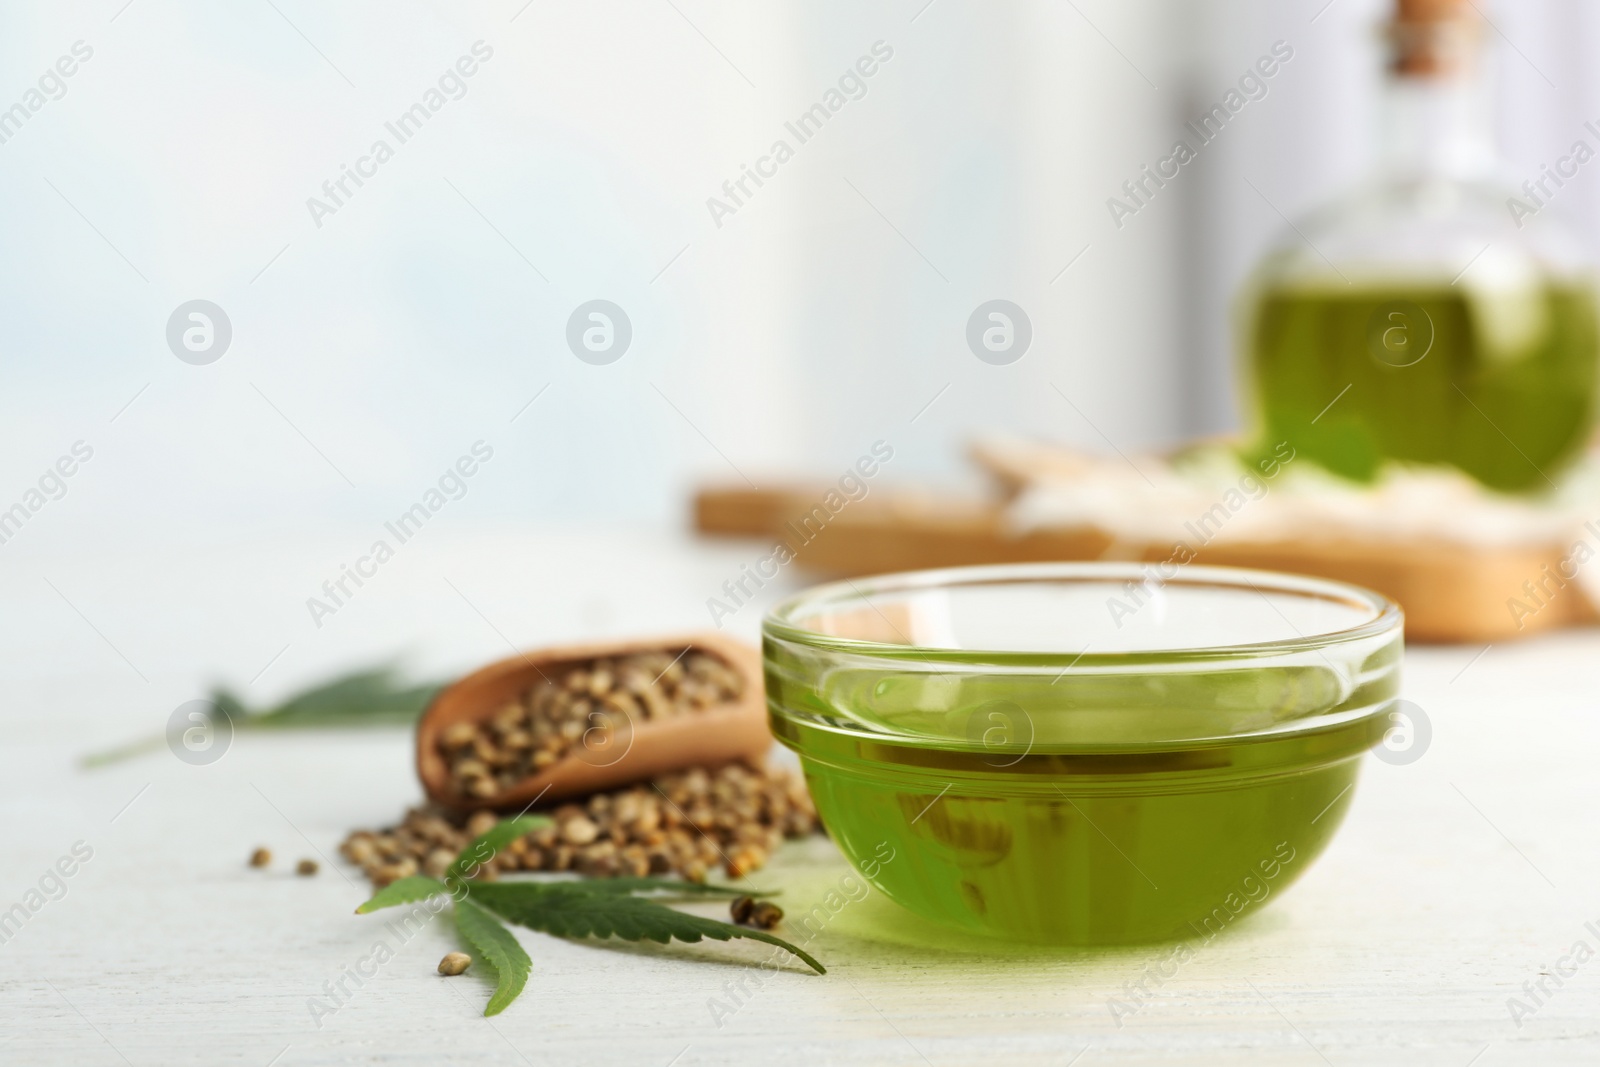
1456,879
1451,591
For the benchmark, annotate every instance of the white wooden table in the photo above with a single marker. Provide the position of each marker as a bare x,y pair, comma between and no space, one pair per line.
1455,880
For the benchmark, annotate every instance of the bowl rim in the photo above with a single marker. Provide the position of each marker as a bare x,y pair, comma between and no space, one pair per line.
1386,615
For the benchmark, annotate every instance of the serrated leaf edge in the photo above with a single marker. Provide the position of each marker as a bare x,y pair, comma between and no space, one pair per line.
402,891
509,983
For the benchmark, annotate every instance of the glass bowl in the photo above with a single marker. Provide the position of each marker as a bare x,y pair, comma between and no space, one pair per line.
1082,753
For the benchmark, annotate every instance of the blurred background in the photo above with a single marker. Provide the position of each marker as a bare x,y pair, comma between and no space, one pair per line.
377,337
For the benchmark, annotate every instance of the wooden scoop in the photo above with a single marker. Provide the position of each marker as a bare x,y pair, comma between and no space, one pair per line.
611,754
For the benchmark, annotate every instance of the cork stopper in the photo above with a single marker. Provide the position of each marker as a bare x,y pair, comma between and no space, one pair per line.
1429,10
1433,38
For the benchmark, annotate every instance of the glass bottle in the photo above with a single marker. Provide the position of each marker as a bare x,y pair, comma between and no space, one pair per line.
1439,314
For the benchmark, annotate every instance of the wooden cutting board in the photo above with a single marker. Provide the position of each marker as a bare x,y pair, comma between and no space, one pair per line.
1450,592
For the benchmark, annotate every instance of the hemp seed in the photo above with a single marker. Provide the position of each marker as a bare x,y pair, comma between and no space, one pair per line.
579,831
748,911
765,915
306,868
260,857
436,863
454,963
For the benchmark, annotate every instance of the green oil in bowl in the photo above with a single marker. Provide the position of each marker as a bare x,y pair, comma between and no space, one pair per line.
998,752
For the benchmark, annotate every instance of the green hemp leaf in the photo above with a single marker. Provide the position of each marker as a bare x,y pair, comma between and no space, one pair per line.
578,909
372,697
625,908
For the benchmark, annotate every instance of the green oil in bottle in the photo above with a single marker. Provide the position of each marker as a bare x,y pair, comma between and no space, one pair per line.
1499,385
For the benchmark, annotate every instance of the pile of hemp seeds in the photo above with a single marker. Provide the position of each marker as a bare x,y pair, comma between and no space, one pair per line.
533,733
685,824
